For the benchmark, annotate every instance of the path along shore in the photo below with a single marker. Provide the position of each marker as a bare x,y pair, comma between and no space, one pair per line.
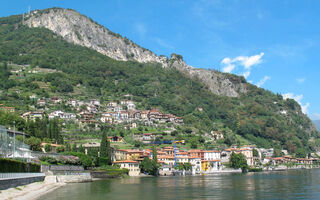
33,190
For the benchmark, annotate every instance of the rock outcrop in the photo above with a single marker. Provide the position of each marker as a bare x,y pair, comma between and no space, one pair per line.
78,29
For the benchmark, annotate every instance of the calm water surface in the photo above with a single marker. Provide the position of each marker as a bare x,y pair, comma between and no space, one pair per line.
294,184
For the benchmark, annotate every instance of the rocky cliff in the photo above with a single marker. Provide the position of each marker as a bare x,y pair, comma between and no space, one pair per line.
78,29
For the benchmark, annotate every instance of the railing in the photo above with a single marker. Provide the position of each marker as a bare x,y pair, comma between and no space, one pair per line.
4,176
72,173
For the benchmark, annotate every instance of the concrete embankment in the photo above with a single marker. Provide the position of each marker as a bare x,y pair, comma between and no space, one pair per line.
38,189
11,180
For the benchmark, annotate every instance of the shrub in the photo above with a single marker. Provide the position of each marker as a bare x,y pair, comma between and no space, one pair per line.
11,166
47,148
60,149
255,170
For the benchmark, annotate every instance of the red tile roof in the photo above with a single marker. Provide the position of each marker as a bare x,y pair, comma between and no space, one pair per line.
125,161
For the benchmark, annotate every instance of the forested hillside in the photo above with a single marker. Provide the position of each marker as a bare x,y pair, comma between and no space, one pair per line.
259,116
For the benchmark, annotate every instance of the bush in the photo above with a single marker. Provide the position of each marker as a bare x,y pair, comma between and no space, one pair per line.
35,143
255,170
47,148
11,166
49,159
86,160
60,149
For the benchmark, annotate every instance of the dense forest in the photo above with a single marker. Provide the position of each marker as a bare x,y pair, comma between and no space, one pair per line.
254,116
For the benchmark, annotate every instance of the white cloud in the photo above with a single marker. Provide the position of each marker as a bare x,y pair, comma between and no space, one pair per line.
263,81
315,116
248,62
230,64
298,99
300,80
305,107
246,74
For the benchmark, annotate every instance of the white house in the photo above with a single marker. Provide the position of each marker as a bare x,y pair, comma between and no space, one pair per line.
212,155
196,164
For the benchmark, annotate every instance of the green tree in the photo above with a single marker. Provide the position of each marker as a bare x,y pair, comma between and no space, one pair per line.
68,147
81,149
238,161
301,153
74,147
154,154
35,143
149,166
47,148
255,153
277,153
105,150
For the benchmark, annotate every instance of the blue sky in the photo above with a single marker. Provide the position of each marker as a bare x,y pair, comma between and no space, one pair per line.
275,43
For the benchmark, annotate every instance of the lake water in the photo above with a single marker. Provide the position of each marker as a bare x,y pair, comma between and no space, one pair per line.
292,184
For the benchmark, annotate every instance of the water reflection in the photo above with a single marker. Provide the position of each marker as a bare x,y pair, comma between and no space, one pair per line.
295,184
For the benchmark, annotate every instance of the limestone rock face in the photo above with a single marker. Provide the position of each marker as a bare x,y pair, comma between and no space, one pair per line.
78,29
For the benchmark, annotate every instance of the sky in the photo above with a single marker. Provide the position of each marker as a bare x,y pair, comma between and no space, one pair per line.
275,44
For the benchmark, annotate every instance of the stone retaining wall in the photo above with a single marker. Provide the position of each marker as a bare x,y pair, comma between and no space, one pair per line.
15,182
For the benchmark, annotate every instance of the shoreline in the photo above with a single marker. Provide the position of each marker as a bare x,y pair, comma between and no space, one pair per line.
32,191
36,190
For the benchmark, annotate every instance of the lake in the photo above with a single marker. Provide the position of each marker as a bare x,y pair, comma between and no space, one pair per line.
292,184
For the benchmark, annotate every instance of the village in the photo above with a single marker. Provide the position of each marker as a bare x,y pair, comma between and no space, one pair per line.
201,161
94,113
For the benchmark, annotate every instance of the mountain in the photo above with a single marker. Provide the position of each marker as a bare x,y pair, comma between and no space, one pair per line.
74,57
79,29
317,123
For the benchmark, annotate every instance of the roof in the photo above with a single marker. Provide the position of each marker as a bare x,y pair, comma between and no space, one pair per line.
195,151
125,161
212,151
278,158
216,160
131,151
165,157
194,157
182,153
53,145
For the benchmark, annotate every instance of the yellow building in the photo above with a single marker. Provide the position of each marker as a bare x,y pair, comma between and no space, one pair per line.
210,165
167,159
126,154
132,166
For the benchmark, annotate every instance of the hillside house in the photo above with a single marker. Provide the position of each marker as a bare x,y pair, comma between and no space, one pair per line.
95,102
33,115
8,109
73,103
41,102
55,100
53,147
115,139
